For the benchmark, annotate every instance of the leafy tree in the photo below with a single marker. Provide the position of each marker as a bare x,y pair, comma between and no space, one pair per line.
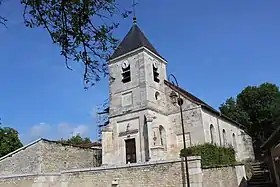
83,29
9,140
76,140
233,111
256,107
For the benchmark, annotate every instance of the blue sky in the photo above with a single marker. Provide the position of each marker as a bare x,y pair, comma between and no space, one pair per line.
215,49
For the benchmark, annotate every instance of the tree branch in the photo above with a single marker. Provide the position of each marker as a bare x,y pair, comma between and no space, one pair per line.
79,29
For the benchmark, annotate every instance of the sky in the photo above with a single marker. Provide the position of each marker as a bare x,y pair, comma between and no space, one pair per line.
214,48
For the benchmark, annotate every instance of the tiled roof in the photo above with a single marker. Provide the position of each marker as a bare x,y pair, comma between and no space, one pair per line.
134,39
200,102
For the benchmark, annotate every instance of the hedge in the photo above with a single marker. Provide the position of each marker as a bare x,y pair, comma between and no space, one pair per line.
212,155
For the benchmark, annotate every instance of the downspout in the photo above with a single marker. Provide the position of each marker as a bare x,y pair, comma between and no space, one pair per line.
218,123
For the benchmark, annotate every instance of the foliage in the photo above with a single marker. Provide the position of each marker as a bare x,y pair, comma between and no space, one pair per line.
211,155
9,140
82,29
3,20
256,107
102,118
76,140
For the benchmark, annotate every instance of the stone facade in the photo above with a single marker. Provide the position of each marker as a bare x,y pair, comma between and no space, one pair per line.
163,173
44,156
228,134
142,110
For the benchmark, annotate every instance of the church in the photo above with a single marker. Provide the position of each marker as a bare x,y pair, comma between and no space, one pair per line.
145,117
142,142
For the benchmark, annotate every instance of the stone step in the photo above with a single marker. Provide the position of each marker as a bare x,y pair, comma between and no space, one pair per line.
264,179
260,176
261,172
259,183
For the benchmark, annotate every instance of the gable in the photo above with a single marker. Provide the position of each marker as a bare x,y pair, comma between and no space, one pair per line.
188,103
201,103
24,160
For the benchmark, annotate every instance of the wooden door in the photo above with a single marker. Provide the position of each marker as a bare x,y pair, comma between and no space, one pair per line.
130,150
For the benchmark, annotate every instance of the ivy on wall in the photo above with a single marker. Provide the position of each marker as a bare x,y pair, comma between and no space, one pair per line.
211,155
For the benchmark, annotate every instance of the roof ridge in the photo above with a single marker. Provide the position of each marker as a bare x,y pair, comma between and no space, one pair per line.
202,103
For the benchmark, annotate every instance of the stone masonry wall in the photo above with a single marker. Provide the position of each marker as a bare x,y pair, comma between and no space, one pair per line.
24,161
56,157
149,175
46,156
220,177
167,174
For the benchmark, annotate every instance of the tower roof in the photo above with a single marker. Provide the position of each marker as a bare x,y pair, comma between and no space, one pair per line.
134,39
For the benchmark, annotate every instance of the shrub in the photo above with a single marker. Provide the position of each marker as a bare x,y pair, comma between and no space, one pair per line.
211,155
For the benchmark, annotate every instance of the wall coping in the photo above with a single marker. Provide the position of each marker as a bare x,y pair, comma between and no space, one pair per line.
29,175
102,168
223,166
110,167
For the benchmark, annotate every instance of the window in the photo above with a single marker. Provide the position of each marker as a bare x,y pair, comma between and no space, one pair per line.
157,96
224,137
126,72
212,133
234,142
155,71
162,136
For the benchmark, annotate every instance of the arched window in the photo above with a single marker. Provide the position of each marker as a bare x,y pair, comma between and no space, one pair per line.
212,133
234,141
224,137
162,135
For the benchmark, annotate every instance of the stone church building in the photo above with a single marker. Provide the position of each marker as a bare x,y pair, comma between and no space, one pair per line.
145,130
145,121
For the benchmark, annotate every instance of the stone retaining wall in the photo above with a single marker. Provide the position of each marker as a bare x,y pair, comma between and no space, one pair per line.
44,156
162,174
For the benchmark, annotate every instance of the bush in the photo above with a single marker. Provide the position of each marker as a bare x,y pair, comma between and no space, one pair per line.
211,155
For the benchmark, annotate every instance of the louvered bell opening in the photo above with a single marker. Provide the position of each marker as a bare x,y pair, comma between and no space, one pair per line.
156,74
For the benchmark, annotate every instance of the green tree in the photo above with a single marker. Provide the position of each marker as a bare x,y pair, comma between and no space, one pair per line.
233,111
9,140
256,107
76,140
83,29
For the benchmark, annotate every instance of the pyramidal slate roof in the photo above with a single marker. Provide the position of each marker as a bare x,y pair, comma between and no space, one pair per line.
134,39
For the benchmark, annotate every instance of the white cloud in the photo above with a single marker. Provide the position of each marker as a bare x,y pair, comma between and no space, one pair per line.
55,132
81,129
40,130
66,129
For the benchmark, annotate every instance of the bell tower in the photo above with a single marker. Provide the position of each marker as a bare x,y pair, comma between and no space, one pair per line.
134,68
137,73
